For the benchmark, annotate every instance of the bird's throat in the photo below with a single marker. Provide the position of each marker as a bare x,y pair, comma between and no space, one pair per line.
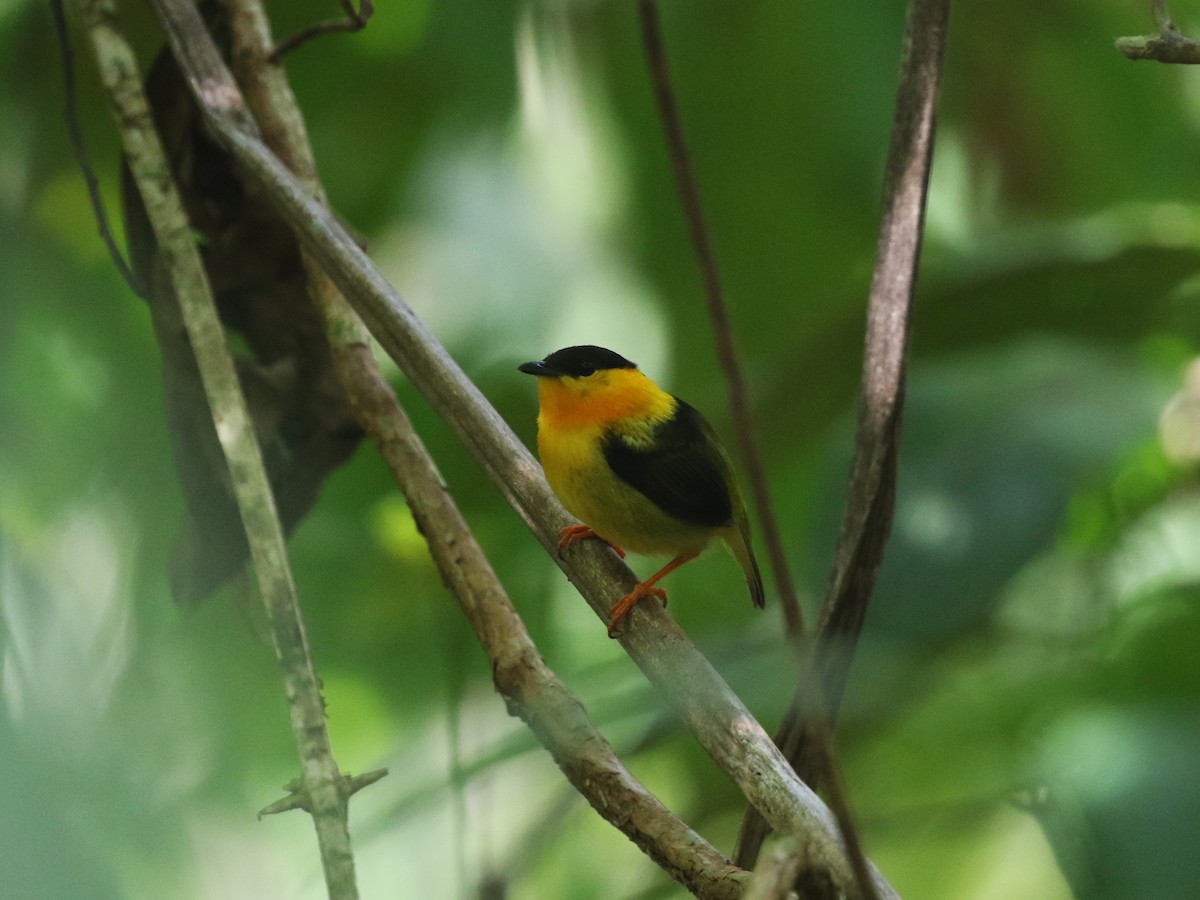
621,395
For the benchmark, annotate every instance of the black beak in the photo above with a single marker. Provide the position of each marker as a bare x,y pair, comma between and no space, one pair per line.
537,368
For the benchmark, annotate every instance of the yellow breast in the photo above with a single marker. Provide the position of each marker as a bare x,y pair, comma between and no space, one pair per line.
572,425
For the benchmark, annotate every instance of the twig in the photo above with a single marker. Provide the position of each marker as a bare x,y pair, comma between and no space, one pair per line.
322,783
702,699
718,311
355,20
532,691
871,495
298,798
1167,46
71,112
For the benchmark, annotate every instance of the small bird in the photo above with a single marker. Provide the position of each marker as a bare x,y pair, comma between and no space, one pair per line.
643,470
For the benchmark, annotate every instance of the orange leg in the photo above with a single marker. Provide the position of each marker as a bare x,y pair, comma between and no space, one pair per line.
622,607
573,533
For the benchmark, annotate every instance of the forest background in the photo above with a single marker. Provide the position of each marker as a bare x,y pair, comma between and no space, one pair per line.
1035,623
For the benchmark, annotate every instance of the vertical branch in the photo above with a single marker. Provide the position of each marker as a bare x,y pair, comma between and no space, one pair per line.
324,790
871,497
718,311
870,501
689,193
776,872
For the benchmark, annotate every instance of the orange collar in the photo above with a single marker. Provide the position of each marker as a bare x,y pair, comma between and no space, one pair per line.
609,396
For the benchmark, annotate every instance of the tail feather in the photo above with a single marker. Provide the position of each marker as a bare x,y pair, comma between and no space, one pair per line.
739,542
754,581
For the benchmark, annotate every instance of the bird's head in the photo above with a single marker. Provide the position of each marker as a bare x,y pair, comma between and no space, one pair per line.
590,385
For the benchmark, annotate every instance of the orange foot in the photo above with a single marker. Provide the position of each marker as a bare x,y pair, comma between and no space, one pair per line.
625,605
573,533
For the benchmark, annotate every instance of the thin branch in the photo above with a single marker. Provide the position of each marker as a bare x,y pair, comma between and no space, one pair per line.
1162,16
835,791
870,501
689,193
702,699
71,112
871,496
1167,46
718,312
355,20
322,784
532,691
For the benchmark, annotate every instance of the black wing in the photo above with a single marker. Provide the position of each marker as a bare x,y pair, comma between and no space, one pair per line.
683,472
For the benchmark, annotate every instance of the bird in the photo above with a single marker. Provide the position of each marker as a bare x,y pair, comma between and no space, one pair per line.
641,469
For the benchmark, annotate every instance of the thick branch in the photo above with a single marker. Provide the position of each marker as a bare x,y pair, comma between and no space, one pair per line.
706,704
323,786
532,691
870,502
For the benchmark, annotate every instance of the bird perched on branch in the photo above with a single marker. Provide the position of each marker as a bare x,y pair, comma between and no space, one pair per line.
643,470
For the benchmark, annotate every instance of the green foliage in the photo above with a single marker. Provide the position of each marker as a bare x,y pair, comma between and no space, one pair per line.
1023,709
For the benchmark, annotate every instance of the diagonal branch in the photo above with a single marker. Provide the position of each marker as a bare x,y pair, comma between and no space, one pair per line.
532,691
705,703
870,501
325,789
530,688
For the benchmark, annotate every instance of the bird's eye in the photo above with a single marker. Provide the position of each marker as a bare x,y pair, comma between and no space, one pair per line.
585,371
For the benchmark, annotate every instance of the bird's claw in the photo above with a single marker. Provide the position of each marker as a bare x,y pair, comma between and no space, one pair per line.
625,605
573,533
